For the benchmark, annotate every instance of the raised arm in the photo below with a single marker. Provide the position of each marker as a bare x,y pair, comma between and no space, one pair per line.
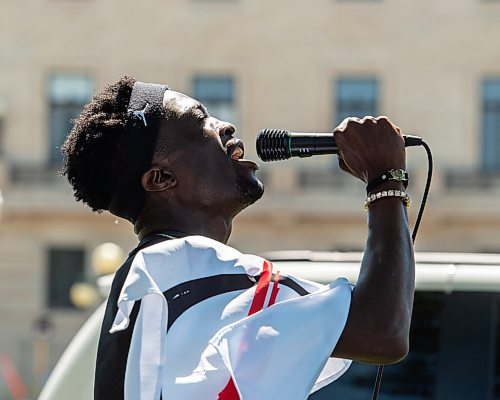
378,324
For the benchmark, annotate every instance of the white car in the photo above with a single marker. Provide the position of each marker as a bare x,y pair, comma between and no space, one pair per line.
455,335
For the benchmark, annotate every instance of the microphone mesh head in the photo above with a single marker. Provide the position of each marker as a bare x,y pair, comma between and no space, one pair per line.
273,144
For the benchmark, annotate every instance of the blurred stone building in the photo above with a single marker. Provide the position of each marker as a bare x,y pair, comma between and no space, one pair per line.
432,66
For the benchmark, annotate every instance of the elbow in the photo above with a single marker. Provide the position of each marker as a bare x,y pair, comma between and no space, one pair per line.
390,341
376,340
373,349
388,350
395,352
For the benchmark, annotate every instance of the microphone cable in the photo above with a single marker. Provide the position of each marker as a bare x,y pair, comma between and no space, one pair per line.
423,202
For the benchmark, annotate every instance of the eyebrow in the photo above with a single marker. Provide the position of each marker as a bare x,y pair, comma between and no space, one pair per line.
202,108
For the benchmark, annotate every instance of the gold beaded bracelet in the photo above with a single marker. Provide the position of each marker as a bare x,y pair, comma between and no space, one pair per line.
388,193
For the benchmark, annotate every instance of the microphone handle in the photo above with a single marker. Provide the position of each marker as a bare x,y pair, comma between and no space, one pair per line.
280,144
305,145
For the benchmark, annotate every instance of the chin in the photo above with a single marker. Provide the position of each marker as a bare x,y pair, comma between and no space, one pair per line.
250,190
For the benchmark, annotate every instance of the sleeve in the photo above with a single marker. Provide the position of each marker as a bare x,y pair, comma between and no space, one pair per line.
286,347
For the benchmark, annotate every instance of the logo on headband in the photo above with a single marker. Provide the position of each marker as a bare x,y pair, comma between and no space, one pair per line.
141,114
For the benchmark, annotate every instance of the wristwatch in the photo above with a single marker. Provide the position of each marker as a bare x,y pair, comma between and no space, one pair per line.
399,175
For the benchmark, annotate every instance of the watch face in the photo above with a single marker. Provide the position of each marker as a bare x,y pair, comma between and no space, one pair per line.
398,174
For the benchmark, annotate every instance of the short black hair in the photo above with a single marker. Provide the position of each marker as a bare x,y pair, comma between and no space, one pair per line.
94,151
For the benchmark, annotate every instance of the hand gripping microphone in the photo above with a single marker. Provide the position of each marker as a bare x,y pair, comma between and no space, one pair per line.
280,144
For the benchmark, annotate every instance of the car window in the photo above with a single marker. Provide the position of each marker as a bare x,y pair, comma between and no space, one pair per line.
454,354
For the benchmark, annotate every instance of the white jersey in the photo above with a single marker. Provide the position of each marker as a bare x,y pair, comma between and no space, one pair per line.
217,324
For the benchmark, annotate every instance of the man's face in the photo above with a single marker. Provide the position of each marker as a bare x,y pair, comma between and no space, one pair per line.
205,158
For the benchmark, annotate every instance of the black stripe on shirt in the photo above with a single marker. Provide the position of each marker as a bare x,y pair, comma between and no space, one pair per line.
187,294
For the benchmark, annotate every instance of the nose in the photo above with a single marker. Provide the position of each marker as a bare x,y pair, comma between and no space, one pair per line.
226,129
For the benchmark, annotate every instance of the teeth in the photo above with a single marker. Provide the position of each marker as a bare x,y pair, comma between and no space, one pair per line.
237,153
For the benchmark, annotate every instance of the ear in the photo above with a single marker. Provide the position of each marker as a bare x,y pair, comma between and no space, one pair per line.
157,180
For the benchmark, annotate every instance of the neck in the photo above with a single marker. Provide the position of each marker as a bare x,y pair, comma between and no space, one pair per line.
192,223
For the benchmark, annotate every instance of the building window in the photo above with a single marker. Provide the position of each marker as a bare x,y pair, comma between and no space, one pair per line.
356,97
217,93
67,95
65,267
491,124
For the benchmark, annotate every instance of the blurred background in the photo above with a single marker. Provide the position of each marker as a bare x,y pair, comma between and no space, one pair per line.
433,67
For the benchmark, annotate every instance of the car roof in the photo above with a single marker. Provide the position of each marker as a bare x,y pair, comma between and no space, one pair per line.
442,272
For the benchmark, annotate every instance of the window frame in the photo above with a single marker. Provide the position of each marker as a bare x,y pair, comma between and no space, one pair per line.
215,103
53,297
490,137
72,107
340,109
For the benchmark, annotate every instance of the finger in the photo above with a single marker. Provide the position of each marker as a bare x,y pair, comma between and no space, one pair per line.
385,120
343,165
345,123
369,118
342,126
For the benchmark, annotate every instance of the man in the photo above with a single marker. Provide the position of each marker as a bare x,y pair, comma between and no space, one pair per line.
157,158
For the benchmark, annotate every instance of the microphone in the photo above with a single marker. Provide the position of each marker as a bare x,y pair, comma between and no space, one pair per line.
280,144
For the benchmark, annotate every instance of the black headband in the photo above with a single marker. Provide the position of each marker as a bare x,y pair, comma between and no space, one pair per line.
145,111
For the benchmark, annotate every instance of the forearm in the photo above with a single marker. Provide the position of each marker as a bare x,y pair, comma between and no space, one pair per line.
379,318
384,291
378,324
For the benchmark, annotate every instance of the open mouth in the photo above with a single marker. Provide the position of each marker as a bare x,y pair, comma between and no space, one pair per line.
235,149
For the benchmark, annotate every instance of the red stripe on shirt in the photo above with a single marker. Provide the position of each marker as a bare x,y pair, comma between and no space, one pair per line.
274,292
229,392
259,298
